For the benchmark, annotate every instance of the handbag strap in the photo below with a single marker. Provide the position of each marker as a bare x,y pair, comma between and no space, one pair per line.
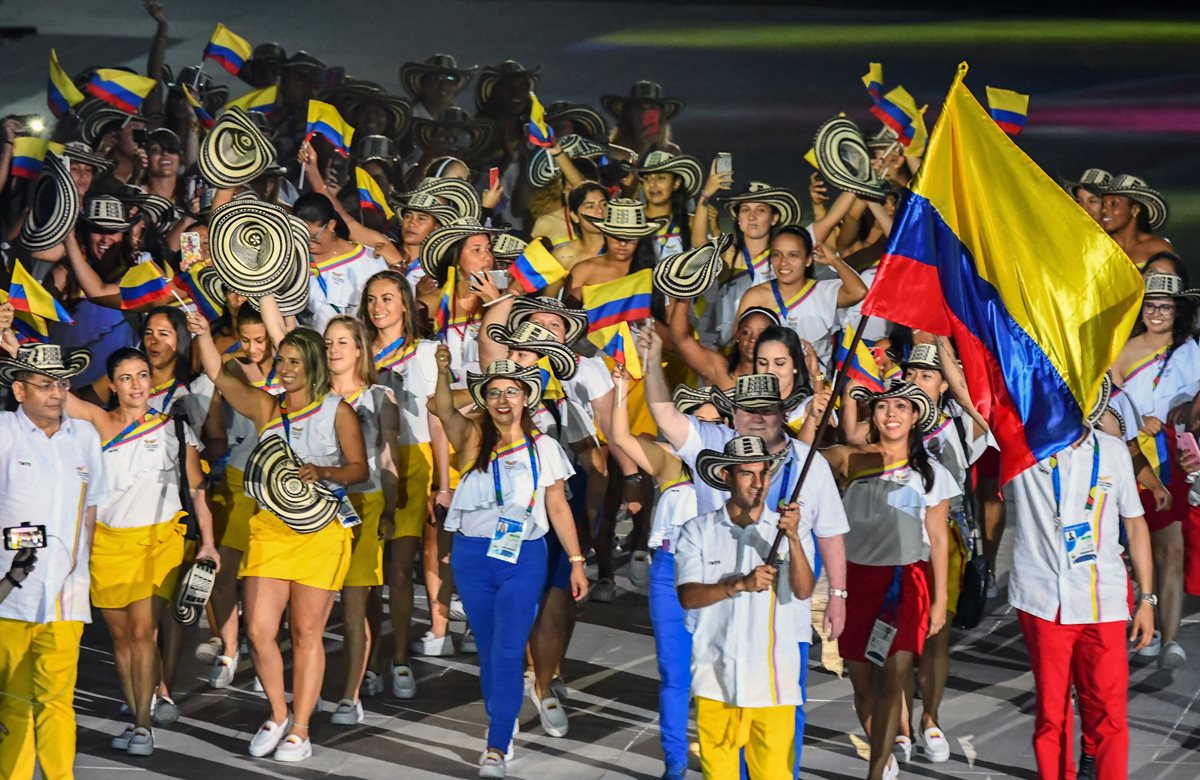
185,494
968,488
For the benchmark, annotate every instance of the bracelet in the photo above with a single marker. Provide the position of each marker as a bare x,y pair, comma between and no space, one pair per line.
444,492
576,559
841,593
8,576
556,154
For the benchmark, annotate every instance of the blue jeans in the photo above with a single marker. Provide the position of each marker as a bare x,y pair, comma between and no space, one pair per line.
673,645
501,600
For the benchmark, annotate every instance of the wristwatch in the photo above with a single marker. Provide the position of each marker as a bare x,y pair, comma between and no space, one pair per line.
841,593
1150,599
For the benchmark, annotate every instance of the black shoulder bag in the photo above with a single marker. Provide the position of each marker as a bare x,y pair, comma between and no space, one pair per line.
972,598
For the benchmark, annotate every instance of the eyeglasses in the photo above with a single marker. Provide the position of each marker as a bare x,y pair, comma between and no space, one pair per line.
312,239
45,387
1164,308
510,393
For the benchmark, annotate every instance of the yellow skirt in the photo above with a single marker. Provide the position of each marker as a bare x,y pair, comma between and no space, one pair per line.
366,556
232,510
318,560
132,564
414,463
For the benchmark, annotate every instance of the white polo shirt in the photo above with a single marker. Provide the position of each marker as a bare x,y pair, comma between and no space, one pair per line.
50,481
336,284
745,650
1043,583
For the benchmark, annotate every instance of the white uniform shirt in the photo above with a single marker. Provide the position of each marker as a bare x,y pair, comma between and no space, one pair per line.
676,505
745,649
473,510
336,284
877,327
368,405
1178,382
1043,583
51,482
944,444
888,509
411,374
812,313
313,436
592,381
141,475
194,398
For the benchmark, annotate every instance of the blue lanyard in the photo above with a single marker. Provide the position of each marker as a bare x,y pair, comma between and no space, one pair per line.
891,601
1090,502
784,484
167,399
749,262
533,468
114,441
379,356
287,424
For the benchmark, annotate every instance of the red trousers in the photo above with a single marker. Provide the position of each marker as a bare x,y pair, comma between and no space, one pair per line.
1094,658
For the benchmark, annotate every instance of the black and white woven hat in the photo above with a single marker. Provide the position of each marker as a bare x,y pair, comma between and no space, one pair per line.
751,393
686,167
688,399
927,413
534,338
454,192
235,151
435,248
460,135
542,170
273,479
711,464
531,377
586,120
1136,189
105,213
253,246
689,274
490,75
44,359
642,93
443,65
923,356
80,152
1160,285
845,161
525,307
625,218
54,206
783,200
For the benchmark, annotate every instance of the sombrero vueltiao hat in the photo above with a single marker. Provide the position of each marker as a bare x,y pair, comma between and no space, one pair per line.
1167,286
80,152
460,195
44,359
398,110
375,147
711,464
506,246
574,320
586,121
153,209
883,139
235,151
625,218
273,479
425,203
411,73
783,200
534,338
105,213
688,399
453,119
689,274
252,246
686,167
531,377
1094,180
923,356
292,292
262,69
1101,404
927,413
542,170
845,161
642,92
97,118
752,393
53,208
491,74
1135,189
436,245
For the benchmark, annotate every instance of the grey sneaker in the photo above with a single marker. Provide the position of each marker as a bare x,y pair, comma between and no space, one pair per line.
492,765
604,592
166,712
639,569
207,652
404,683
466,644
121,741
1172,657
348,713
141,743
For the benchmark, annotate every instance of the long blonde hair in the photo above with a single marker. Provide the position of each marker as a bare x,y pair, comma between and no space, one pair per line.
366,361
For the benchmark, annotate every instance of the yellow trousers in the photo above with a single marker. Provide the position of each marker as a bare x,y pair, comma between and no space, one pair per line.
768,735
39,663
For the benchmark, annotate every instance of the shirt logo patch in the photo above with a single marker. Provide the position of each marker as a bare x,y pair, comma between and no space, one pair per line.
24,463
83,473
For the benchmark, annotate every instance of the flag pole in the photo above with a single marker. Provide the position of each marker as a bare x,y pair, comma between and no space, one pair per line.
196,81
839,384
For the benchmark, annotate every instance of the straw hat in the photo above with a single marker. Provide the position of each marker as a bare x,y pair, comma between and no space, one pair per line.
531,377
1136,190
473,135
425,203
96,118
927,413
445,65
398,110
1094,180
491,74
54,205
711,464
80,152
1101,404
1167,286
375,147
585,119
460,195
642,92
783,200
155,209
273,479
751,393
686,167
534,338
923,356
542,170
253,246
235,151
262,69
574,320
438,243
688,399
292,293
44,359
625,218
105,213
689,274
845,161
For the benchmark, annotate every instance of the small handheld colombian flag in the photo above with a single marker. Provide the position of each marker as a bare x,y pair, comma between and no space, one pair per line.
143,284
28,154
443,318
1008,108
540,133
203,117
25,294
1038,300
188,281
61,93
535,268
617,342
29,328
260,100
861,366
370,196
324,119
622,300
120,89
228,50
873,81
899,111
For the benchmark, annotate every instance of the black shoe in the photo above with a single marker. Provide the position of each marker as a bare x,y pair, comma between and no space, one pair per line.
1087,767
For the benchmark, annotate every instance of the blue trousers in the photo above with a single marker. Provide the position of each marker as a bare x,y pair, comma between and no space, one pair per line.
501,600
673,645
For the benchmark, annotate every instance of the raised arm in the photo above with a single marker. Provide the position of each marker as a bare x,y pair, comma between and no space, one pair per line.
823,228
672,424
95,288
273,320
647,456
958,382
853,288
456,425
84,410
253,403
708,363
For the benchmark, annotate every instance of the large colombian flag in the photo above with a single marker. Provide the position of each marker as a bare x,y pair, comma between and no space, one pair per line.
1038,298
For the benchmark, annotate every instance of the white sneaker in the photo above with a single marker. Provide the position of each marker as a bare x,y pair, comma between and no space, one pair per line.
1153,649
256,686
903,748
268,737
121,742
372,685
466,644
428,644
639,569
348,713
552,714
993,590
457,611
559,686
404,683
492,765
141,743
207,652
935,744
293,749
1172,657
892,770
222,672
529,678
165,712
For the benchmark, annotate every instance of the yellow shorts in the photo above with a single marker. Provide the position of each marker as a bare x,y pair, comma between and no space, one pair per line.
956,566
767,734
366,556
232,510
414,464
318,560
132,564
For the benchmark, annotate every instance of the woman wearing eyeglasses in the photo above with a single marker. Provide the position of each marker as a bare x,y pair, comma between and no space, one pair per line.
511,492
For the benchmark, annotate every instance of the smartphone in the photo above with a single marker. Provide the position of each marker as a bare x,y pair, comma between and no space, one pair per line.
724,162
189,249
1186,442
25,537
500,279
139,135
651,123
493,177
